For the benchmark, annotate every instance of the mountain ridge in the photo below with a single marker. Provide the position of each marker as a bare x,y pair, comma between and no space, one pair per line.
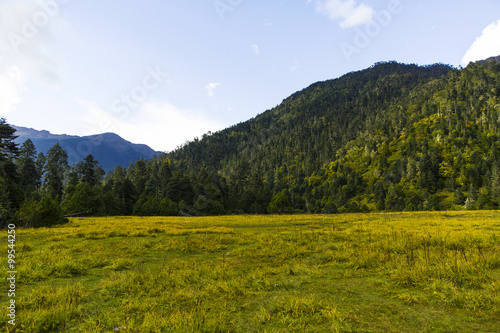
109,149
391,137
320,96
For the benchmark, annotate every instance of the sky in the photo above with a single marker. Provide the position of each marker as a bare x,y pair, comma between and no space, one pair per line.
162,72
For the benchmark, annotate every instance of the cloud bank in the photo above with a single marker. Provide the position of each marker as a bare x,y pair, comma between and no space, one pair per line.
162,126
11,87
30,31
485,46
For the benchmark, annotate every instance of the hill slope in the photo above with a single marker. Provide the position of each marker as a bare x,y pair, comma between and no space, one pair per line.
392,137
108,148
311,125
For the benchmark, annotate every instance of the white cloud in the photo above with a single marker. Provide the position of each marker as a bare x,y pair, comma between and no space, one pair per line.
294,67
11,87
163,127
30,34
485,46
348,12
255,48
210,88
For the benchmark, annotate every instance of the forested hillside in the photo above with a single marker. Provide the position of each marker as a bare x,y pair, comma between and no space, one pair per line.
310,126
390,138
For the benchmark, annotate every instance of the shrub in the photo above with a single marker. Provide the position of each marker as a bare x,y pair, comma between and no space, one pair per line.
279,204
48,213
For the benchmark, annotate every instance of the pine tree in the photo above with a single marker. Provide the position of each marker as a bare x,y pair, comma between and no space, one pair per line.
28,170
127,195
81,201
139,175
152,185
164,177
11,194
90,171
5,204
495,181
8,148
459,197
54,170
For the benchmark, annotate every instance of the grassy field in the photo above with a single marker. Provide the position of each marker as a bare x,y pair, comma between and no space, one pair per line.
406,272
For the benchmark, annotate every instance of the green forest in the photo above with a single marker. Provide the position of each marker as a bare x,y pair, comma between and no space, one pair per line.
393,137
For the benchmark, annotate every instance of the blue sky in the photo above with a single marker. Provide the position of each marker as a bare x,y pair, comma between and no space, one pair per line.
163,72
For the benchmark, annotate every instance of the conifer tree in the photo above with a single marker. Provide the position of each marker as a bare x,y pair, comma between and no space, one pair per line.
54,171
90,170
11,194
28,170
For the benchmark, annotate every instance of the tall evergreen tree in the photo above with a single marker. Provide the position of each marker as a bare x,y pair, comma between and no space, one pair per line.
127,194
8,148
139,175
164,177
11,194
54,171
90,170
28,170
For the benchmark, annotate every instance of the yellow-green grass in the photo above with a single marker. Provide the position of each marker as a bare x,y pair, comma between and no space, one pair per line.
402,272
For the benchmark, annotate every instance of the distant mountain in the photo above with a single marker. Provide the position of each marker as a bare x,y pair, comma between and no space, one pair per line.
109,149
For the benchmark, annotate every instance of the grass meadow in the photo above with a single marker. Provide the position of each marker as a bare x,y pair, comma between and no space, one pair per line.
401,272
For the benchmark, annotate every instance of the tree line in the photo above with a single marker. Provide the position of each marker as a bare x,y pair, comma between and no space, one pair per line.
393,137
